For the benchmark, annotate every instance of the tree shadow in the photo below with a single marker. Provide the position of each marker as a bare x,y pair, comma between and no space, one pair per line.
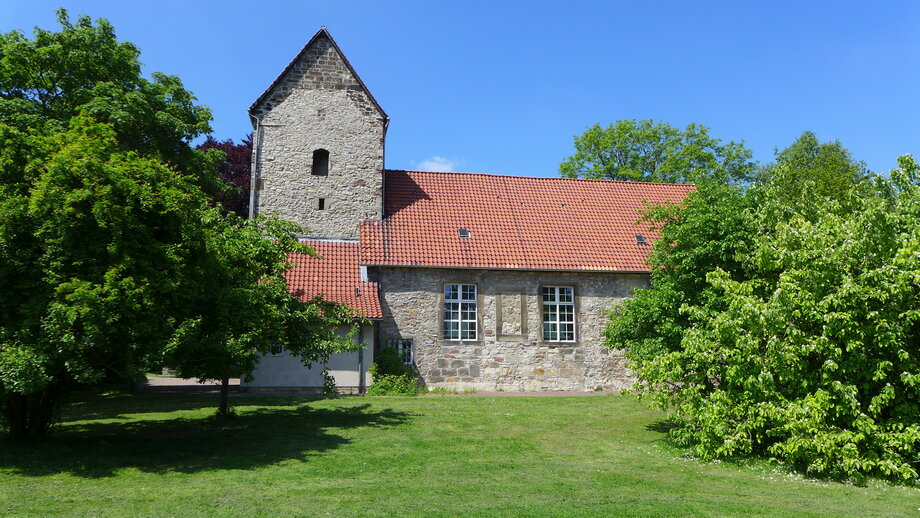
118,404
251,439
661,426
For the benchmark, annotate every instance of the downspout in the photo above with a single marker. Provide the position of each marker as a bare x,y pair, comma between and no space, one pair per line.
383,165
383,192
361,380
256,164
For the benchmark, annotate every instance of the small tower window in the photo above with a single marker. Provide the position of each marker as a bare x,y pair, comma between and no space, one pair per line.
321,204
320,163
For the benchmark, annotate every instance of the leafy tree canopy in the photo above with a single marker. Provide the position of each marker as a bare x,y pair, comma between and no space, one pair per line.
786,325
649,151
112,257
828,166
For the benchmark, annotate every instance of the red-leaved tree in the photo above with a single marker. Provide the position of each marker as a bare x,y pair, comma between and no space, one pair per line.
236,170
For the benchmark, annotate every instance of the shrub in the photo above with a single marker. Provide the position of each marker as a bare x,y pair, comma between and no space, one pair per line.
390,385
392,377
797,340
387,362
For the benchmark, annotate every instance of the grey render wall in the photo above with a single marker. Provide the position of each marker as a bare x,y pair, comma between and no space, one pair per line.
286,372
319,104
510,353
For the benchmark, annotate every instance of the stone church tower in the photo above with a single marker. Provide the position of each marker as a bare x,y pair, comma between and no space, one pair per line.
318,145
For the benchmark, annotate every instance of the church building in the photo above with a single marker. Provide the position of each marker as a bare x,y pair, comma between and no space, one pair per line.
482,281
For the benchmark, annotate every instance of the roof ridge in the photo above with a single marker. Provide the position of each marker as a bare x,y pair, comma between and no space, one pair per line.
322,30
499,175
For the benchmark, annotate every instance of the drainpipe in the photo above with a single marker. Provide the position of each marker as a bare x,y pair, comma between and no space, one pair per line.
361,380
383,167
256,163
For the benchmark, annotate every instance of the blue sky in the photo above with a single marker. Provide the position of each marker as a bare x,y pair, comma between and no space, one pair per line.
503,87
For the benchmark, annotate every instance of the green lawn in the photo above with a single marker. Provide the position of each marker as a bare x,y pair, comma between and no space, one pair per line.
162,455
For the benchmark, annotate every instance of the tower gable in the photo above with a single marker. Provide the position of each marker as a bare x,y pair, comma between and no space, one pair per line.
318,157
319,65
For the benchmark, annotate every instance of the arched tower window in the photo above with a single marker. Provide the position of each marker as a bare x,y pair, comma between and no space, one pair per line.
320,163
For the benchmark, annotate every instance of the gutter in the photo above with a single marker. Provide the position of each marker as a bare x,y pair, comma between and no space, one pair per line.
496,268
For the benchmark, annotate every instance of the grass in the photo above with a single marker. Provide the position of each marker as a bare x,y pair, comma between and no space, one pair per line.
447,392
163,455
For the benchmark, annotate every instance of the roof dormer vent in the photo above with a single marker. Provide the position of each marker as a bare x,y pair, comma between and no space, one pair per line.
641,239
463,232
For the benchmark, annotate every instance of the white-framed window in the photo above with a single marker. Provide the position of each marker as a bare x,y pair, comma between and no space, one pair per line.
558,314
460,312
276,350
404,349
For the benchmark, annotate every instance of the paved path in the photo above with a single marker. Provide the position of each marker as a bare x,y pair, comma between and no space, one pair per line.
546,393
171,384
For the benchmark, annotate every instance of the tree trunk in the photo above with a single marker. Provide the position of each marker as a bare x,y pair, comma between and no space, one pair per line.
223,409
30,416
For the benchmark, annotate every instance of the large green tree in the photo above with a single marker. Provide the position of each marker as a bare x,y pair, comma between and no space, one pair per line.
649,151
111,255
782,322
827,167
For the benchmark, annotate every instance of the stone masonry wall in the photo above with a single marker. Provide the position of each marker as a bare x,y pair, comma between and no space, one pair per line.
319,104
510,353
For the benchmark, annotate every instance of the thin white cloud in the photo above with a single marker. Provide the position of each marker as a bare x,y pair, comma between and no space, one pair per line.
438,163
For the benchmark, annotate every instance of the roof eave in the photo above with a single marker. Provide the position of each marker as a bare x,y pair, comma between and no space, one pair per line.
461,267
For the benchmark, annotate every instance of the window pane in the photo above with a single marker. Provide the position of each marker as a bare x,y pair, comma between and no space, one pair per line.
558,313
460,312
468,331
404,349
549,331
451,330
565,294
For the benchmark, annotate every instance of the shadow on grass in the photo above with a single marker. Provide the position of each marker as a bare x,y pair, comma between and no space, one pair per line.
662,426
254,438
118,403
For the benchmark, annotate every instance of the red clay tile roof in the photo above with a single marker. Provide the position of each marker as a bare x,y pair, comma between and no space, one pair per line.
335,275
513,222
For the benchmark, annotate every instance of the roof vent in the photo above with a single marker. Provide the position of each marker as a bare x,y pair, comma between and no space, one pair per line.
463,232
641,239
